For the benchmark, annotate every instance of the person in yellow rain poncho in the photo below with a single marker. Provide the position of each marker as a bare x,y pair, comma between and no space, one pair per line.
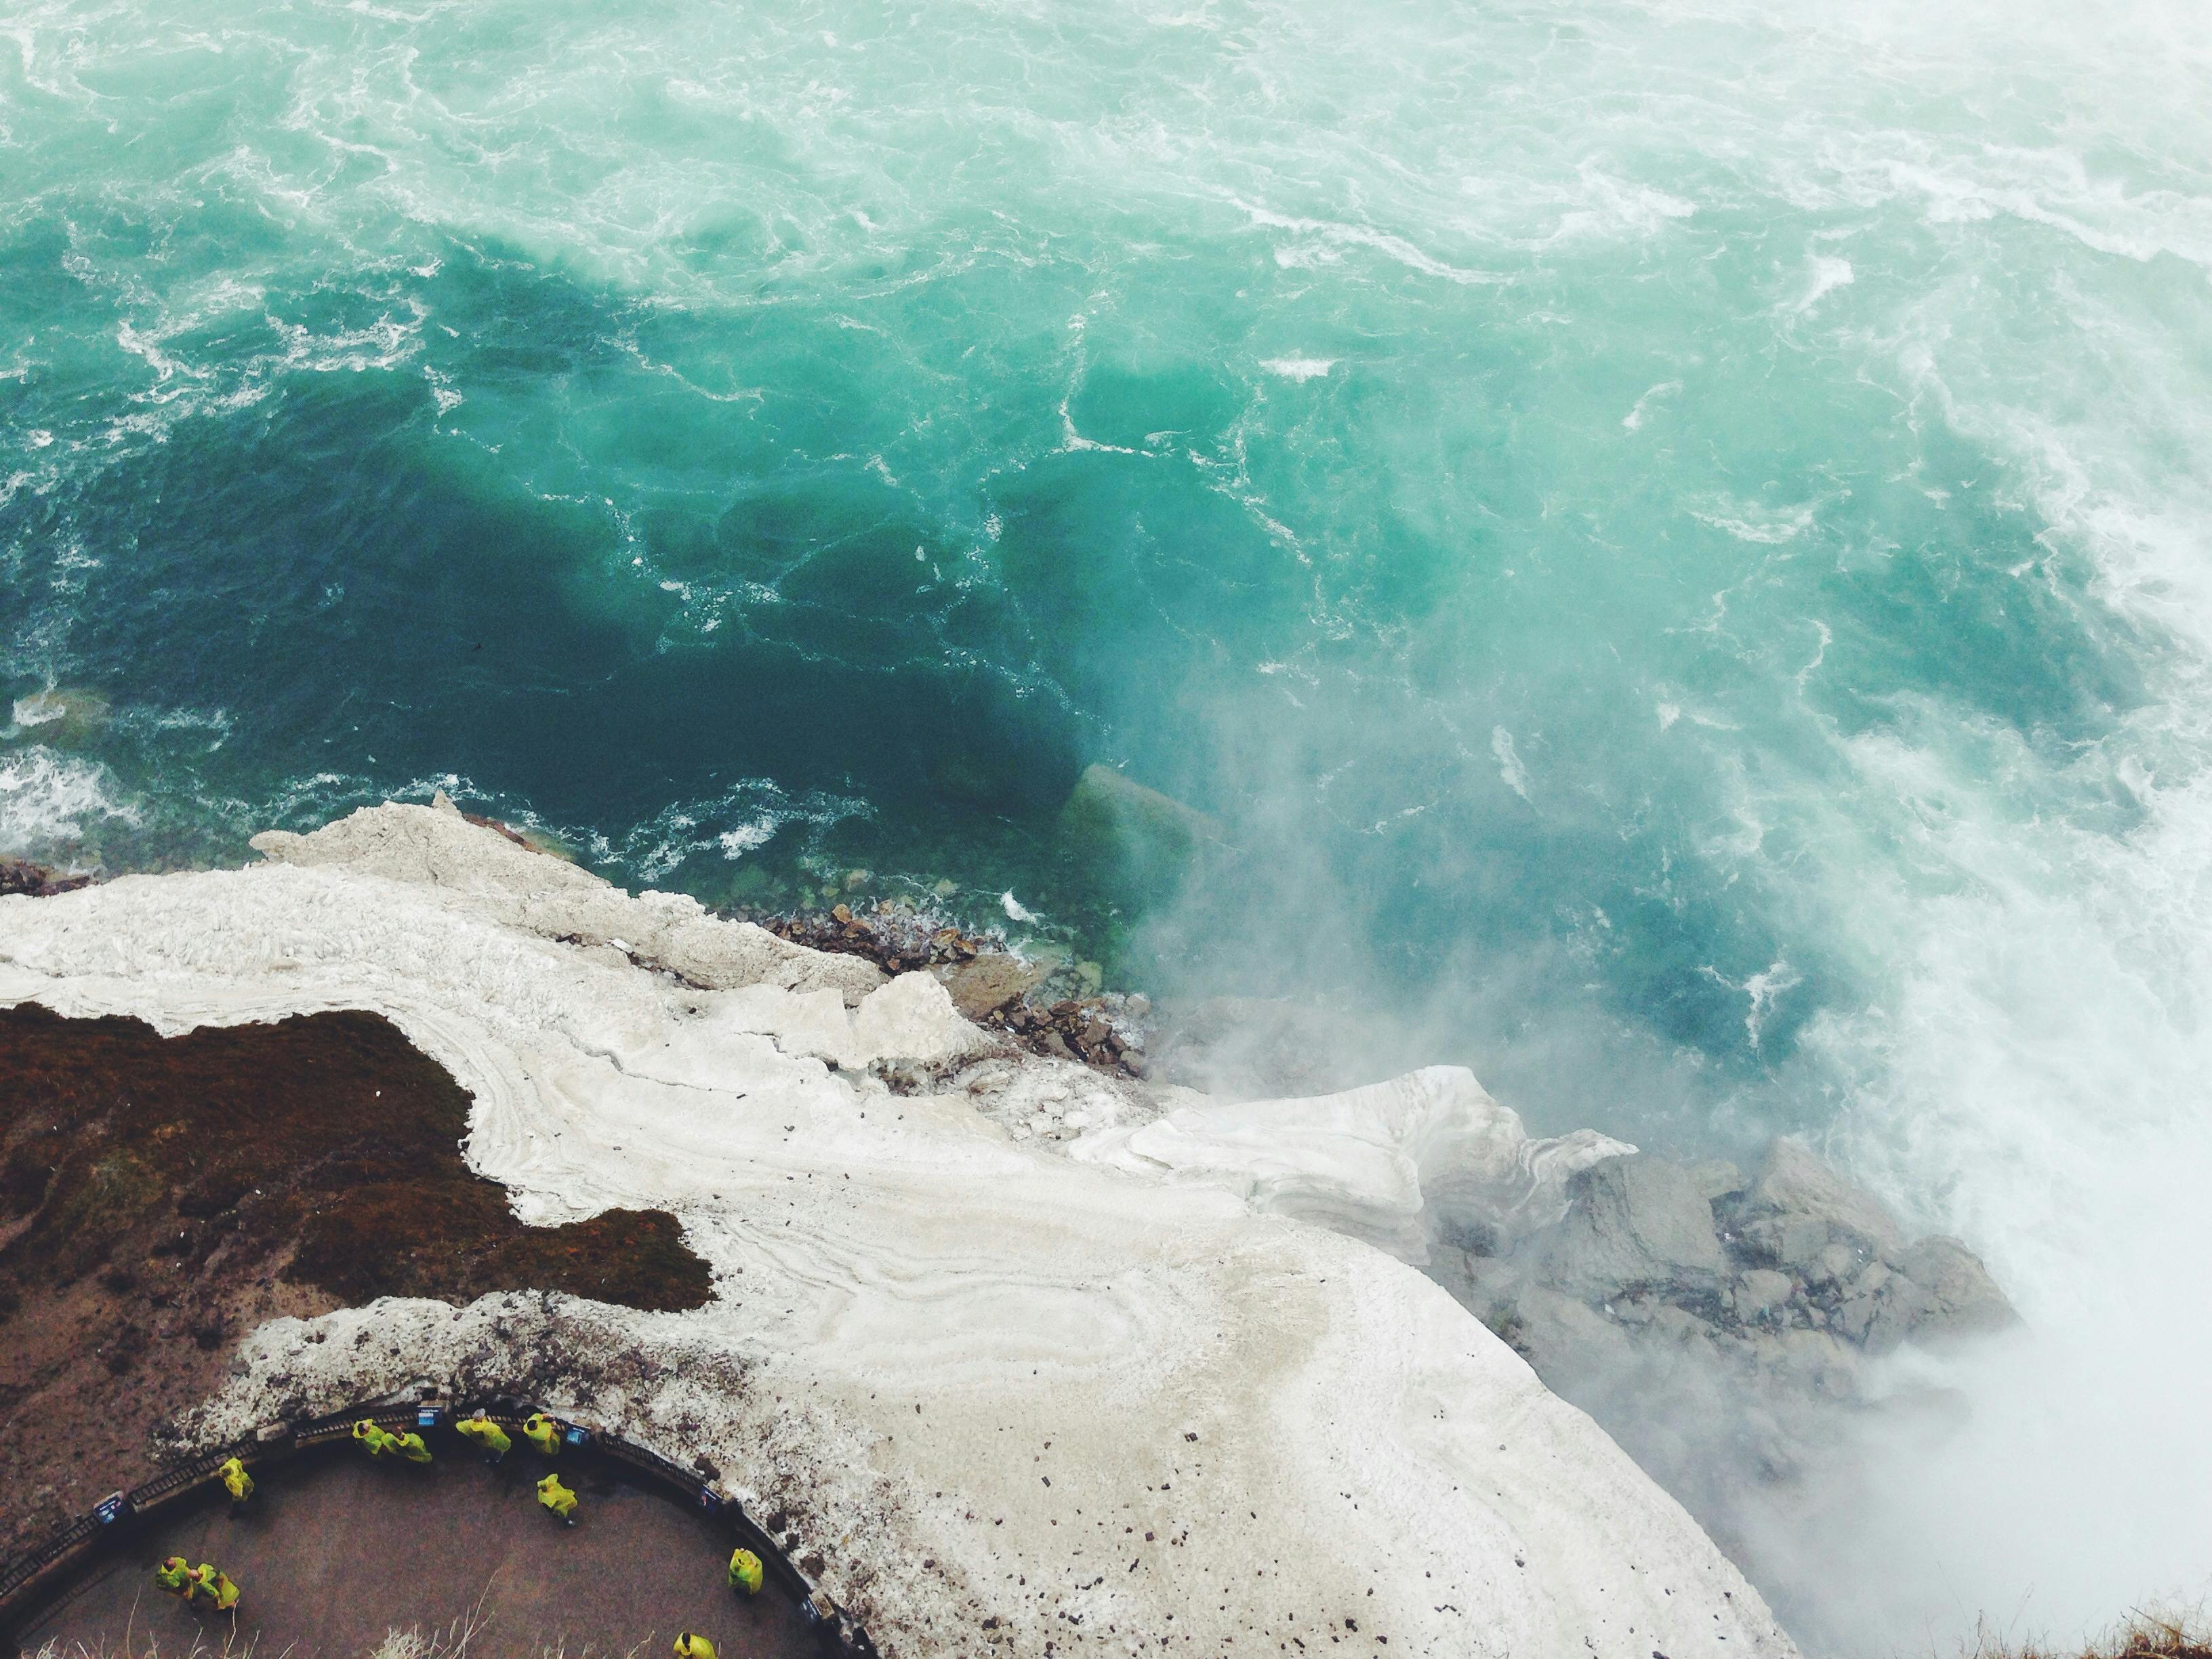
745,1572
373,1440
558,1500
488,1437
235,1480
542,1432
410,1446
174,1576
214,1584
690,1645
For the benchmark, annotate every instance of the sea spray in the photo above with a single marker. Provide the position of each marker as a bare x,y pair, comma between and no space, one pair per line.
51,804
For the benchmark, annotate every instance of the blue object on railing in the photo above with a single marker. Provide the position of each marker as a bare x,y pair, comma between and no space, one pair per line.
111,1509
710,1500
577,1437
426,1417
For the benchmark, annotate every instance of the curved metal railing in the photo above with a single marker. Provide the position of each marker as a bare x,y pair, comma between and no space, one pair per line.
32,1581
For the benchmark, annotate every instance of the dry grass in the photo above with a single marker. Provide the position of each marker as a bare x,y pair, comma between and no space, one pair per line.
217,1642
453,1643
145,1646
412,1643
2175,1635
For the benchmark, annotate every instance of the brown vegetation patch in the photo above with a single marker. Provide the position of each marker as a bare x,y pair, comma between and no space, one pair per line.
2144,1636
160,1196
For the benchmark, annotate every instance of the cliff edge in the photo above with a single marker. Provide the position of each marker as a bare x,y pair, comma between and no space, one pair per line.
1002,1397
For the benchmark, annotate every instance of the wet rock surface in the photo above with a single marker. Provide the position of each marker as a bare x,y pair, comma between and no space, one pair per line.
1796,1249
1726,1331
1142,842
1797,1211
1633,1224
1046,1005
953,1365
35,880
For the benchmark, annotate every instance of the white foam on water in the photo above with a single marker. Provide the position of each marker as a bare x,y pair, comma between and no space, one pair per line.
743,819
1509,768
2035,1083
1633,421
39,708
2029,1069
748,837
50,800
1828,275
1752,522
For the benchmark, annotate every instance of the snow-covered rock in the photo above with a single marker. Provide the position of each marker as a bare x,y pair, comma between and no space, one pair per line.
438,848
1386,1162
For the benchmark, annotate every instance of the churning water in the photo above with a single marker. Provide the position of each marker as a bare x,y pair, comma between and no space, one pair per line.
1674,538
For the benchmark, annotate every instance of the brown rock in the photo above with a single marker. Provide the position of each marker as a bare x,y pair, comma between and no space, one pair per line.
35,881
986,984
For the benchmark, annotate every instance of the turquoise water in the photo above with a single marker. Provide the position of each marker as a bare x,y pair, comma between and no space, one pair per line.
1671,539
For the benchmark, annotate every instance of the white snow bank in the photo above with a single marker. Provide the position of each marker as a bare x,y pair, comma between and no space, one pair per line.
547,895
982,1381
911,1019
1377,1163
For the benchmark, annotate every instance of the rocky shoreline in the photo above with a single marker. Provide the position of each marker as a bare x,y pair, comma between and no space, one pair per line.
1012,1344
1720,1327
1047,1007
1729,1329
1738,1335
1793,1273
